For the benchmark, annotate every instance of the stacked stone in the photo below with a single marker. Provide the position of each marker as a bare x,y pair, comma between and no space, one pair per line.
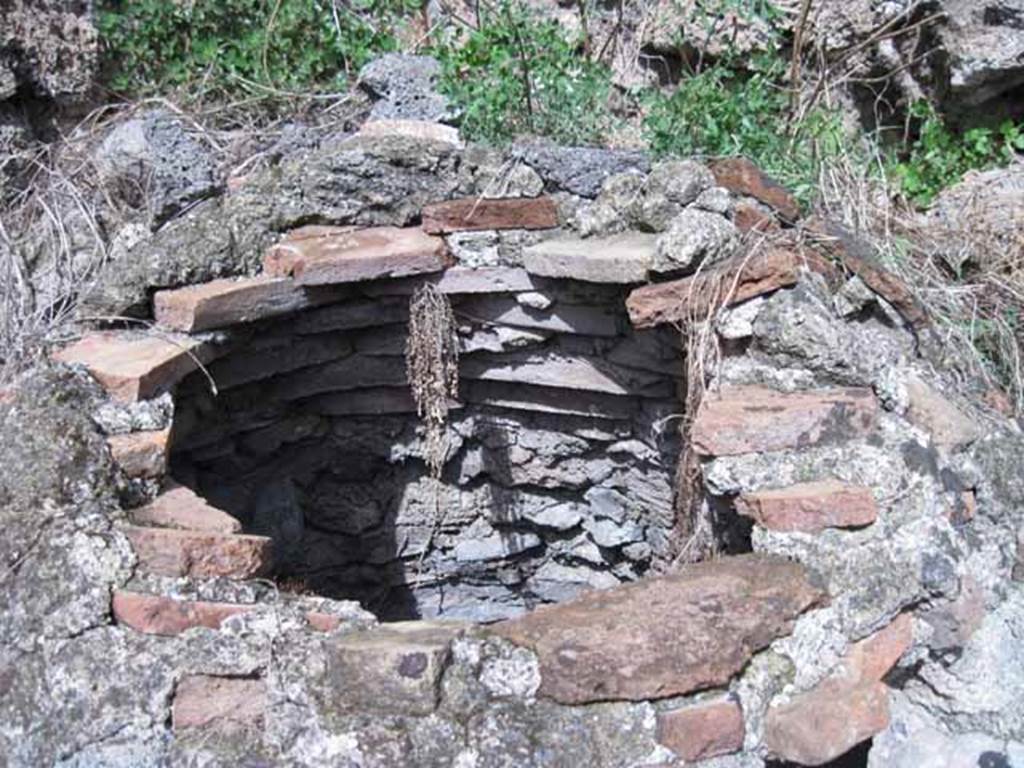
561,460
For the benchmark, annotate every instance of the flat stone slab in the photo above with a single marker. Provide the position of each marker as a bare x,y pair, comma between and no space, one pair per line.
667,635
218,705
567,373
810,507
141,454
137,366
169,552
420,130
325,255
562,318
456,280
733,281
738,420
624,258
354,372
250,364
395,668
162,615
181,508
475,213
229,301
523,397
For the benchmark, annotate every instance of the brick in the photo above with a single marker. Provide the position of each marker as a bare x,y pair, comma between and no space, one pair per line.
733,281
135,366
810,507
948,426
181,508
742,177
141,454
702,731
225,302
750,217
858,257
665,635
738,420
396,667
218,704
474,213
162,615
170,552
622,259
338,256
845,709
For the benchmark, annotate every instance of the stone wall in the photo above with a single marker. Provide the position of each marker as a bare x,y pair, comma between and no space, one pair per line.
870,605
562,448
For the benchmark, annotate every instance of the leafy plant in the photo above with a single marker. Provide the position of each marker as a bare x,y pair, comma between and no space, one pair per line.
516,74
284,44
726,110
939,157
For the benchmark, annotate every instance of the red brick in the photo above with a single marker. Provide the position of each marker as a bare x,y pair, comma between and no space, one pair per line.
810,507
704,730
731,282
738,420
476,213
663,636
843,710
181,508
169,552
141,454
750,217
949,427
221,303
137,366
161,615
339,255
322,622
221,704
740,176
869,660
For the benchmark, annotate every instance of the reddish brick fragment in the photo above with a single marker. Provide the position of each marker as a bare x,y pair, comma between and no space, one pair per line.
135,366
169,552
181,508
162,615
221,303
141,454
731,282
327,255
738,420
476,213
810,507
703,730
740,176
219,704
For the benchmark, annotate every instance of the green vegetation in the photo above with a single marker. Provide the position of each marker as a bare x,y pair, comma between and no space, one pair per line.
230,45
724,110
516,74
939,157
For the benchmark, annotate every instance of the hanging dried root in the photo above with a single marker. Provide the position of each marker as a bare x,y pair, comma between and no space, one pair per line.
432,367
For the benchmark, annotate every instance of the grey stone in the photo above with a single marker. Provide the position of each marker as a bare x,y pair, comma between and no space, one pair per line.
404,86
695,237
495,546
579,170
562,318
534,300
715,200
498,338
364,180
156,154
624,258
608,533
